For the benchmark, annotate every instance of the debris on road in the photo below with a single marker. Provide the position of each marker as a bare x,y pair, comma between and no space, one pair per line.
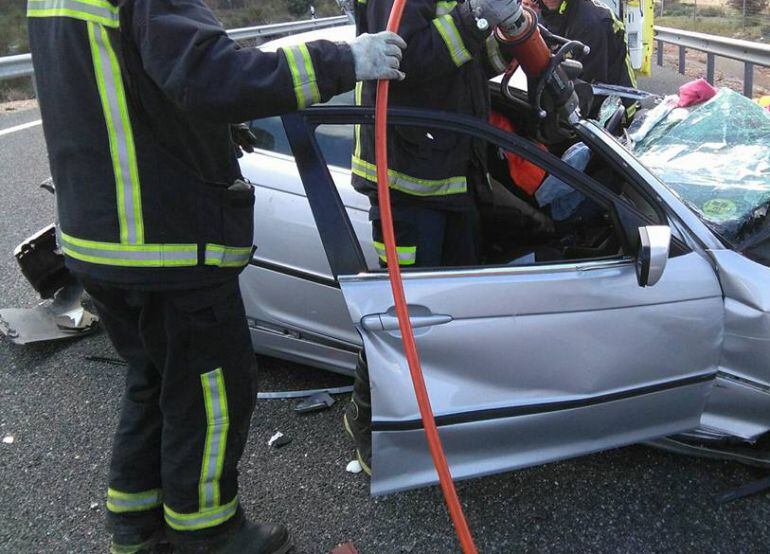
749,489
346,548
94,505
278,440
62,318
106,360
8,439
61,315
315,403
354,467
282,395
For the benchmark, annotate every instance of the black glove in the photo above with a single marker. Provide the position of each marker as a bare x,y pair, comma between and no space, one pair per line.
243,139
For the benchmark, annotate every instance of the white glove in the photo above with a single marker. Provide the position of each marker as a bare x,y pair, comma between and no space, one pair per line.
377,56
503,13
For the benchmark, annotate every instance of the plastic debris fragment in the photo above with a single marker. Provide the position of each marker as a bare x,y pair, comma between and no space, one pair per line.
354,467
346,548
8,439
278,440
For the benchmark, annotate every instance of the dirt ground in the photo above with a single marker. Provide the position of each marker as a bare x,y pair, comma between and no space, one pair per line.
17,105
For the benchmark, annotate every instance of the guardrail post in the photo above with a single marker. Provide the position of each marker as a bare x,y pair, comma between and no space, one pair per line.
660,53
748,79
682,61
710,59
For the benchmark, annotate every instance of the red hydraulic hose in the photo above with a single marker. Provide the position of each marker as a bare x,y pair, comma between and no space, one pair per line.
402,311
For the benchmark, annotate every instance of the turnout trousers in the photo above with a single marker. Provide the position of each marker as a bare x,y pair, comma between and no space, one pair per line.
428,236
184,419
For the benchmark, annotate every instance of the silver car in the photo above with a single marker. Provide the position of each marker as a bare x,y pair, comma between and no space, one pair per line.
631,323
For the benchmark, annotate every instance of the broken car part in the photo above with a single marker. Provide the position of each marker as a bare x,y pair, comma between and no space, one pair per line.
281,395
315,403
61,318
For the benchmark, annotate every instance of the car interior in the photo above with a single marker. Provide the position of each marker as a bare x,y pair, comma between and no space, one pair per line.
520,225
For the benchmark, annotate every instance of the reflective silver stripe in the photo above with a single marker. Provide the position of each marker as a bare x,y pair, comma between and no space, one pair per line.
218,423
443,8
110,84
303,75
227,256
98,11
146,255
494,55
454,42
411,185
202,519
119,502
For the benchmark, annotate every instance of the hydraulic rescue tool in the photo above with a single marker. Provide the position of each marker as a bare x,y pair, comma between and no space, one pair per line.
553,96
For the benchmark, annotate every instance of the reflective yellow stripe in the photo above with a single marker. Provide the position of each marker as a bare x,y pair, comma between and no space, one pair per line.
452,38
407,255
411,185
120,134
494,55
443,8
121,502
618,27
227,256
357,128
202,519
303,75
96,11
217,425
129,255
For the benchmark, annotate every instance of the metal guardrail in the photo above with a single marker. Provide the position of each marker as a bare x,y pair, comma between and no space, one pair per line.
12,67
289,28
750,53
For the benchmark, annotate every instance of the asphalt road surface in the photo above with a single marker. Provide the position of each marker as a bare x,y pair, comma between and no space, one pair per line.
61,409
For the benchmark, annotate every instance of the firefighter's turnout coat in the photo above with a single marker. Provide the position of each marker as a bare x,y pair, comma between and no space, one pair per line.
136,97
594,24
447,62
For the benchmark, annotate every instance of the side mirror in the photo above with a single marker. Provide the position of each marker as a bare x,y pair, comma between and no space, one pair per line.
654,243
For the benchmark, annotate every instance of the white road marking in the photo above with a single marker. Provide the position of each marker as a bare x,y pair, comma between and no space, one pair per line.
20,127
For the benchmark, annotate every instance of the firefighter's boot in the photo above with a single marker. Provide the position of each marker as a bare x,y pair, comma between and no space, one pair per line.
358,416
246,538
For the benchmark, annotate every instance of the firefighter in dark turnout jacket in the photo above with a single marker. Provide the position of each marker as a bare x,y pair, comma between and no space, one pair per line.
154,217
595,25
433,173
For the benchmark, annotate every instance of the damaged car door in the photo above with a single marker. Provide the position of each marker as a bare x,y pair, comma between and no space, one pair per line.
526,361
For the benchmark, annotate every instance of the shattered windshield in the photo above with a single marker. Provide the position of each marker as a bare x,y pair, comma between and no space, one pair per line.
715,157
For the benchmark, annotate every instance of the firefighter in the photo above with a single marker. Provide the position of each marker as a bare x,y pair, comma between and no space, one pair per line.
156,220
595,25
435,175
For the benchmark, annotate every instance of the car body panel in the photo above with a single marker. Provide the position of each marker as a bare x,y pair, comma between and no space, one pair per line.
295,308
476,449
527,337
738,405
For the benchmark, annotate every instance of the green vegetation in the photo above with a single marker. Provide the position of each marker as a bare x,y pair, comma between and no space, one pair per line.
726,20
13,28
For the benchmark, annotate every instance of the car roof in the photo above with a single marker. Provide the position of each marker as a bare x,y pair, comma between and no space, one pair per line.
336,34
348,32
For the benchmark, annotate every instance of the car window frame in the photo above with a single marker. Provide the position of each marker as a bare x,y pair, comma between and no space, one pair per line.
343,248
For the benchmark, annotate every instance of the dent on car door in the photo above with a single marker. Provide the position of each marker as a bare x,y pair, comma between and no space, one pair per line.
525,362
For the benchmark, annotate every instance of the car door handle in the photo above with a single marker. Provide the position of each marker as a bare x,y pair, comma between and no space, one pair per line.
388,322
